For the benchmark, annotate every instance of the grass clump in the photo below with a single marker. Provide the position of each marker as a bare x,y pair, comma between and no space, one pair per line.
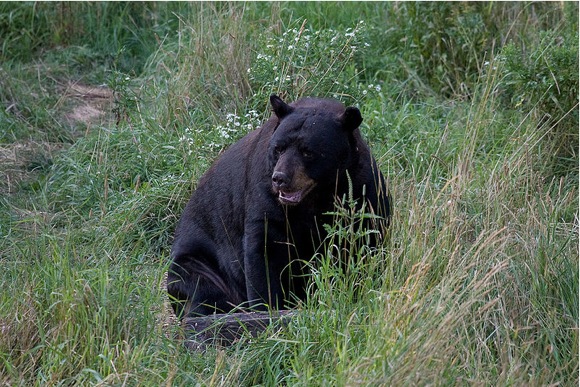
477,280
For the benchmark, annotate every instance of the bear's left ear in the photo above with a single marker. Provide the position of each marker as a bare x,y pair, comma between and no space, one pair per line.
281,108
351,118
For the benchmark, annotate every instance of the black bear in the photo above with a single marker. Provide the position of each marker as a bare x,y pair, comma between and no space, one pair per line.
256,216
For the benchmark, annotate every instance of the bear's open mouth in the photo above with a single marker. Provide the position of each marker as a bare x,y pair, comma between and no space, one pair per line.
293,198
290,197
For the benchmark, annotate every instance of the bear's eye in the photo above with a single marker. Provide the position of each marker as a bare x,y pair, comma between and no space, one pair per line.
278,150
307,154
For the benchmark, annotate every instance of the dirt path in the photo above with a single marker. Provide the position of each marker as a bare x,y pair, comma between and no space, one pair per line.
80,106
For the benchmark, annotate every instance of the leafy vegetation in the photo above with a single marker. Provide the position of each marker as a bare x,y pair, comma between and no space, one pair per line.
112,111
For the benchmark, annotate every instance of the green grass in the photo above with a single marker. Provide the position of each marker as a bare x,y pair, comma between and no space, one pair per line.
471,111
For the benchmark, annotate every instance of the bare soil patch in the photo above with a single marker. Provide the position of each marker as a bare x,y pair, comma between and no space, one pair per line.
20,160
91,105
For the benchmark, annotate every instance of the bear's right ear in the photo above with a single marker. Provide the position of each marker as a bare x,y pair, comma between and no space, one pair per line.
281,108
352,118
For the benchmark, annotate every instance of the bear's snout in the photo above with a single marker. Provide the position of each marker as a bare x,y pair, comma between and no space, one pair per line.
280,180
290,190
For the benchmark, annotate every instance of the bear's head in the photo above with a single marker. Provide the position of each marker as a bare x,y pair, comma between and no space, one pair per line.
311,147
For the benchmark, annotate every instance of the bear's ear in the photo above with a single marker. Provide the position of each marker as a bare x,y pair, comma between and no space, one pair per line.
351,118
281,108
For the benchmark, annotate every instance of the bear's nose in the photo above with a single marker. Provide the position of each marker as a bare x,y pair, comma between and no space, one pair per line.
280,179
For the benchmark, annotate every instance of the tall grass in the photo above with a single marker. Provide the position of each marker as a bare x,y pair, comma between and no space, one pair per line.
477,281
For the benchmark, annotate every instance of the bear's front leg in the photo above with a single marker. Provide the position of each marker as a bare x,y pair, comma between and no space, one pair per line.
264,261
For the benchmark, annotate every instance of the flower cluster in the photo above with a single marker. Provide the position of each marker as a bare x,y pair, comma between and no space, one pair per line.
188,140
221,135
238,125
377,88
